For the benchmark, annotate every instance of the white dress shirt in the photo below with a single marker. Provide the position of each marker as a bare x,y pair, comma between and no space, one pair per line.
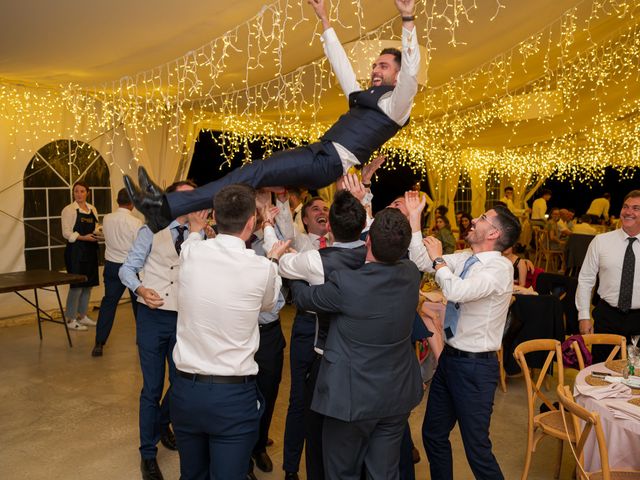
604,258
120,229
308,265
584,229
68,220
539,209
397,103
599,207
483,295
223,288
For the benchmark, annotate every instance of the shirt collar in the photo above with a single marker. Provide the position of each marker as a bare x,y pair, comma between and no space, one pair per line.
355,244
624,235
230,241
484,257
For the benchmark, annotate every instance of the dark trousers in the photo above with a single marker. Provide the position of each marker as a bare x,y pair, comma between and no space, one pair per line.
313,166
462,390
113,290
301,358
216,426
373,444
155,337
608,319
313,425
269,358
406,466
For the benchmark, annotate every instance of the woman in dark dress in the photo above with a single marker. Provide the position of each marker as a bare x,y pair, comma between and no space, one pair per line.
80,228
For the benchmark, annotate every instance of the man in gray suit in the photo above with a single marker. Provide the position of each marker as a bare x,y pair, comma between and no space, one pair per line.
369,379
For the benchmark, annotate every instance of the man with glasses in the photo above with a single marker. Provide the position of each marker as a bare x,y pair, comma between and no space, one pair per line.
612,257
478,285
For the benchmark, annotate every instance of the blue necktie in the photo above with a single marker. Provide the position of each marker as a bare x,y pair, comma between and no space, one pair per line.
452,313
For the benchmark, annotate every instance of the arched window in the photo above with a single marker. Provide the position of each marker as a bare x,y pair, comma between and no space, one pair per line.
462,199
48,182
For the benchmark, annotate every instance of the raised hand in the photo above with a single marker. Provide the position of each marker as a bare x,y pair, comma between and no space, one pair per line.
415,204
433,246
321,12
370,168
405,7
198,220
352,184
279,249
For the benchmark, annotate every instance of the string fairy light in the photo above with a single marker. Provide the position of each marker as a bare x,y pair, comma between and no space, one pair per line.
576,76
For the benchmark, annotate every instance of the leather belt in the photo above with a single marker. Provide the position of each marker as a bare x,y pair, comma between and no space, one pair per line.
224,379
454,352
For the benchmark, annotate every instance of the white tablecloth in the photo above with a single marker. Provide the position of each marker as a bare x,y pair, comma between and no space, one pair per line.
622,435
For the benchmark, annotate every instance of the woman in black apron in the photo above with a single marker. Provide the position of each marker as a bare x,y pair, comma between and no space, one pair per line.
79,222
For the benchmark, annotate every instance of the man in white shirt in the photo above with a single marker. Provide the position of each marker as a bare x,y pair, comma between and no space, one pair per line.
599,209
215,402
507,199
539,208
613,258
120,229
478,286
375,115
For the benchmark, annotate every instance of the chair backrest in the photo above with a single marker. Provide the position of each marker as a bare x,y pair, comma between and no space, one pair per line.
591,423
618,342
533,385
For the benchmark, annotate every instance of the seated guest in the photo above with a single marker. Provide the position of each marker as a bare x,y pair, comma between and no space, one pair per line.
555,234
565,224
465,225
442,231
519,267
583,227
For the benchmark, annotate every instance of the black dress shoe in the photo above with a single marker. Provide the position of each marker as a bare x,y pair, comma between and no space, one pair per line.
150,469
263,462
97,350
150,203
168,439
146,184
291,476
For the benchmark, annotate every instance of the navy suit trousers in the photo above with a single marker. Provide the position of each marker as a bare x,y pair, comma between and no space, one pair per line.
113,290
216,427
313,166
156,337
462,390
301,359
270,358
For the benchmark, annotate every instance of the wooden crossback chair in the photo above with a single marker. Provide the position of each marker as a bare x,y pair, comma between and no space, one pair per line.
545,254
547,423
618,342
572,415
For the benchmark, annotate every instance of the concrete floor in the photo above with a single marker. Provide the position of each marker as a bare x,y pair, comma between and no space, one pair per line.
66,415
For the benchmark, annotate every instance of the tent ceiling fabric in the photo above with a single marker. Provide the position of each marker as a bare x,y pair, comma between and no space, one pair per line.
101,45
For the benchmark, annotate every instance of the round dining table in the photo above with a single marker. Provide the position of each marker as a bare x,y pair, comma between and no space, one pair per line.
622,434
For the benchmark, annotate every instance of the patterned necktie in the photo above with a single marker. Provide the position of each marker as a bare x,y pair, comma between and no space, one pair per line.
322,242
180,238
626,280
452,312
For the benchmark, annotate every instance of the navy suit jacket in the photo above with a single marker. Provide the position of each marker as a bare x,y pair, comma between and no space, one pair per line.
369,369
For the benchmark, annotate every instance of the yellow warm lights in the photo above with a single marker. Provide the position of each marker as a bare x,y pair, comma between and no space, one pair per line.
448,120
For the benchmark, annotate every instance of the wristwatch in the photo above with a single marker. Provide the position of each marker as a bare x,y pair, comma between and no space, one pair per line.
438,261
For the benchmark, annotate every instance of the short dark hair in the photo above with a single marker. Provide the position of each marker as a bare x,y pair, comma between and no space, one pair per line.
174,186
631,194
607,196
508,188
306,206
442,210
234,205
347,217
509,228
545,191
123,197
397,55
390,235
